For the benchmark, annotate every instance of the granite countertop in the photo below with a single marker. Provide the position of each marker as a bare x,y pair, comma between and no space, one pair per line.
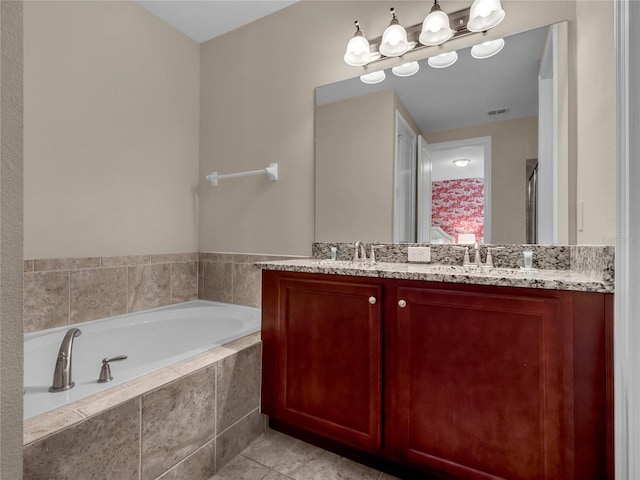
509,277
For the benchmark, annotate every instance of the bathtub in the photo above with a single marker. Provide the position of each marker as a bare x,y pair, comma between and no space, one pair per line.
151,339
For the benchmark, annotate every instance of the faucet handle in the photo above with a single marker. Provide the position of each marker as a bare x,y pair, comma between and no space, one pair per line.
105,371
490,250
372,258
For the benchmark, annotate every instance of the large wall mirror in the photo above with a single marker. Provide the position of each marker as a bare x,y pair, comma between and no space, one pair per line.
474,151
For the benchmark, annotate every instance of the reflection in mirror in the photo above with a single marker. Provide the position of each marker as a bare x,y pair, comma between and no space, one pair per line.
498,113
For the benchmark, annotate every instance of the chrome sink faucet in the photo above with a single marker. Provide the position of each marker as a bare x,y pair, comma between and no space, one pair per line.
62,373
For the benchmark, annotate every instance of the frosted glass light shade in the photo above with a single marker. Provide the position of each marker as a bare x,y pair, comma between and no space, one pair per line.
435,28
406,69
373,77
394,40
487,49
358,53
484,14
461,162
443,60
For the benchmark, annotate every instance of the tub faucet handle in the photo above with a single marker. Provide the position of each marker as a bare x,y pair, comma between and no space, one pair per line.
105,371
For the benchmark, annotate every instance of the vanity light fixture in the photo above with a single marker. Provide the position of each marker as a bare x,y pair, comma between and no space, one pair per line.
358,50
406,69
373,77
461,162
484,15
443,60
436,27
487,49
394,39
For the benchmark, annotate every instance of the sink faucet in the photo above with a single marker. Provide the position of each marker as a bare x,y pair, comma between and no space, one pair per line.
62,373
476,254
360,253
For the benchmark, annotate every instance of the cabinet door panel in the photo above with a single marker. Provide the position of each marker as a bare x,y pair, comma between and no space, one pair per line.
329,359
482,384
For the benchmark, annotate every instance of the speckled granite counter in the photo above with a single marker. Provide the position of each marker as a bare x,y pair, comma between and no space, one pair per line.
595,275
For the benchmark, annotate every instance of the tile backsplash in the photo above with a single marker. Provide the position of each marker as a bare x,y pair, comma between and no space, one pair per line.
59,292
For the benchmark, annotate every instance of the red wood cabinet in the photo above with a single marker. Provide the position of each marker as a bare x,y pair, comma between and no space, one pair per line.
324,359
479,382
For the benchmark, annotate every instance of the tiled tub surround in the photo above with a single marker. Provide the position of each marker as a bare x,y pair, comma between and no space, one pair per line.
232,277
582,268
185,421
59,292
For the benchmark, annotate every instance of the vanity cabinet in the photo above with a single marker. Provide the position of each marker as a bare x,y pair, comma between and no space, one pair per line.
452,380
323,357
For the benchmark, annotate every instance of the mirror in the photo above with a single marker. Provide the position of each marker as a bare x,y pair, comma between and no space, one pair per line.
384,152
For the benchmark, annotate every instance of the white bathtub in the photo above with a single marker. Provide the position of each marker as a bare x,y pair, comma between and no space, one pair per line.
152,339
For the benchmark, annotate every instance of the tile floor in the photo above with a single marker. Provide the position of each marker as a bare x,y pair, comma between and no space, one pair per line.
275,456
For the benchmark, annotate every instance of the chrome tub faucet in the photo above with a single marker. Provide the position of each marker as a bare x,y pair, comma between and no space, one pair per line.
62,373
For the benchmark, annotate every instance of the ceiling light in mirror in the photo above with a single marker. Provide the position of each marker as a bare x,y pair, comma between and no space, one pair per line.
461,162
487,49
435,28
406,69
443,60
373,77
358,53
394,39
485,14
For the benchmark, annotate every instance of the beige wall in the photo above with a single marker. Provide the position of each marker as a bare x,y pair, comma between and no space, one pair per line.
11,240
512,143
352,202
596,146
111,131
243,90
355,151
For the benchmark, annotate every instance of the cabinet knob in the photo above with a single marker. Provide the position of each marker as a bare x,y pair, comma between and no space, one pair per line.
402,303
373,300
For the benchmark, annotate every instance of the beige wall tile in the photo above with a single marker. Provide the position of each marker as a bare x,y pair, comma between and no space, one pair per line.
125,261
217,282
201,279
52,264
184,281
238,386
208,257
149,286
46,300
177,419
28,266
247,284
198,466
170,258
238,437
98,293
103,447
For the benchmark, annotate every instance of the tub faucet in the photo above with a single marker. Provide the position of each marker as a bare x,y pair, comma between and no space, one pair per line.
62,373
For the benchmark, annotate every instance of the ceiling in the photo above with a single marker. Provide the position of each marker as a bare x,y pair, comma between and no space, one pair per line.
203,20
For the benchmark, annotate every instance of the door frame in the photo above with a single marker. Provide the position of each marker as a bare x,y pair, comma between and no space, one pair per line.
485,142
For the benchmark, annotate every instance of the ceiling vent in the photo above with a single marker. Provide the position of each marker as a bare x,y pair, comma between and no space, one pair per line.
498,111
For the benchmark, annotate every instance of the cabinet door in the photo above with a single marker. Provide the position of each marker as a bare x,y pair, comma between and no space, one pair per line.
481,384
328,378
